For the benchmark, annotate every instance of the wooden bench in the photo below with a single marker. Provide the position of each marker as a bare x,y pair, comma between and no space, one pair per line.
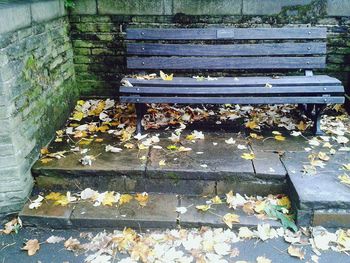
255,50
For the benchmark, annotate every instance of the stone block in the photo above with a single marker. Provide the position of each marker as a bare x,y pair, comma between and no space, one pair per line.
338,7
85,7
269,7
47,215
208,7
14,17
159,212
213,218
140,7
333,218
45,11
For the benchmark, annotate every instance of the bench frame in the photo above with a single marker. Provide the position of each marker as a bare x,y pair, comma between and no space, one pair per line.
173,49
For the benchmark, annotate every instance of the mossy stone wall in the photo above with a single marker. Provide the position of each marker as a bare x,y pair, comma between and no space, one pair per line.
37,91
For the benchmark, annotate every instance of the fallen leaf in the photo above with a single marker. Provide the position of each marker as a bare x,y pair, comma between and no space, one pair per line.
54,239
142,198
162,163
44,151
125,198
302,126
296,252
262,260
230,218
32,246
344,179
245,232
203,208
216,200
46,160
166,76
109,199
35,204
129,145
54,196
251,125
230,141
72,244
110,148
346,167
181,209
280,138
248,156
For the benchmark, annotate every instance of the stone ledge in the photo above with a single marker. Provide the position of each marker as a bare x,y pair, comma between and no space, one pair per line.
208,7
338,7
14,17
269,7
84,7
140,7
44,11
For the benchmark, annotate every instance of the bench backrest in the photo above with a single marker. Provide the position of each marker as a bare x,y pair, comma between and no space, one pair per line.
226,48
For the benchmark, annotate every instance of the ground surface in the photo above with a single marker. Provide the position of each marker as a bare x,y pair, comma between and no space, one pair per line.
275,250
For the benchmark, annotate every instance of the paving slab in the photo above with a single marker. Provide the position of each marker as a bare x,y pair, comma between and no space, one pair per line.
204,161
160,212
267,165
213,217
322,190
258,187
47,215
126,162
269,144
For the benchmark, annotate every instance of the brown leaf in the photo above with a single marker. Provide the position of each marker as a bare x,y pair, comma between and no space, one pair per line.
32,246
72,244
296,252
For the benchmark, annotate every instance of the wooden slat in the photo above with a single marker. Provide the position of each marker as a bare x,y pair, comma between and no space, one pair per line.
240,81
233,90
214,63
232,100
226,33
148,49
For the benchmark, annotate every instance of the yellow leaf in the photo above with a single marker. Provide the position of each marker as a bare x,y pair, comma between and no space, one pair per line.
255,136
301,126
129,146
344,179
323,156
230,218
78,116
54,196
162,163
80,134
103,128
98,108
280,138
260,206
141,146
46,160
190,137
251,125
125,198
203,208
63,201
44,151
109,199
99,140
85,141
142,198
143,158
165,76
80,102
263,260
248,156
32,246
216,200
284,201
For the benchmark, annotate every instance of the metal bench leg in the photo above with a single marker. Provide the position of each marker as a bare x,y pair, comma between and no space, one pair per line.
140,111
317,119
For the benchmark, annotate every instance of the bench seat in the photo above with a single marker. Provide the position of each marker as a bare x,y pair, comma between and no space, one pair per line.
319,89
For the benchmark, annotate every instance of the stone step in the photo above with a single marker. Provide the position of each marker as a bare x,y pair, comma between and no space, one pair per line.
211,167
159,212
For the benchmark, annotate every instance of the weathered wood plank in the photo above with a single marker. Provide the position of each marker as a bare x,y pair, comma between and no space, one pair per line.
148,49
233,100
214,63
240,81
226,33
232,90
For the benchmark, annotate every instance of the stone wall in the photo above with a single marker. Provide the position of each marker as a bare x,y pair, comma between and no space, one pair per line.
98,30
37,90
